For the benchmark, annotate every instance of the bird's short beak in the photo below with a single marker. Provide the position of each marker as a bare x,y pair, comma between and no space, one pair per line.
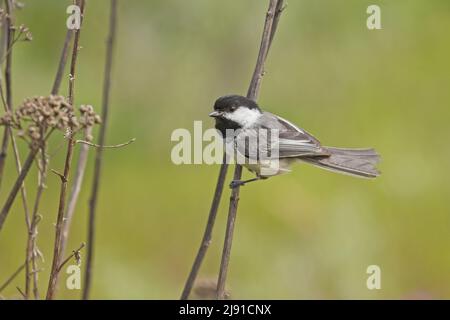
215,114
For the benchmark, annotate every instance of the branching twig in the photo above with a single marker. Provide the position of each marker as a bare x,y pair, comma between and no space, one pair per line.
12,277
75,190
7,103
57,252
32,233
275,8
99,151
75,253
99,146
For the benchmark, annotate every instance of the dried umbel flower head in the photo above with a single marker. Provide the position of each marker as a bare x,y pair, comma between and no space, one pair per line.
37,116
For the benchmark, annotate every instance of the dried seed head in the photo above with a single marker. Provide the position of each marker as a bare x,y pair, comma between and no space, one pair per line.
37,115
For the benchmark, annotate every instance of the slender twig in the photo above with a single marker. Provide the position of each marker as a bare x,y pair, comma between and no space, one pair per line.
10,36
75,190
62,62
267,37
17,185
278,10
115,146
21,292
75,253
99,151
7,103
32,234
207,236
275,9
19,169
9,43
12,277
57,252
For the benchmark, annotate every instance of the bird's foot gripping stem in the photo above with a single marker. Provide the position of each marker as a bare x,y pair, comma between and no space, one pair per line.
238,183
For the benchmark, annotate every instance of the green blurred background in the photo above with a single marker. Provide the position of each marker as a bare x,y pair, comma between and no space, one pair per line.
309,234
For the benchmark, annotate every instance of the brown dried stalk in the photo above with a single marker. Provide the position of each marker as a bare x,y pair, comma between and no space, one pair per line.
7,103
76,188
31,223
32,234
99,151
12,277
75,254
207,236
253,90
57,252
17,185
9,44
8,131
62,62
275,9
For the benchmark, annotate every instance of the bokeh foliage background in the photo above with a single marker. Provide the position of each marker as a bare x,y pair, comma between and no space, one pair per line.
309,234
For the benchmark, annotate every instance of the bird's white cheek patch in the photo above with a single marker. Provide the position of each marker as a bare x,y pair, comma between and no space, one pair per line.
244,116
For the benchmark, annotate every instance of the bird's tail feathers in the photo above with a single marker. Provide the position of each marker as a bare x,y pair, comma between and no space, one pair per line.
355,162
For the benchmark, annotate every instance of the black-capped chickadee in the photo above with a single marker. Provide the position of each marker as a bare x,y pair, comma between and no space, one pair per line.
245,117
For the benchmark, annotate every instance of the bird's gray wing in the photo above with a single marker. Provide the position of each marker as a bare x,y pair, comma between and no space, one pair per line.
293,141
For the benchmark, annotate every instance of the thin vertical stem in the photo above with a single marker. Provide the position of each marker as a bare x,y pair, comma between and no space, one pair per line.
9,44
272,16
11,278
99,151
17,185
207,236
57,252
32,233
228,236
62,62
252,92
75,190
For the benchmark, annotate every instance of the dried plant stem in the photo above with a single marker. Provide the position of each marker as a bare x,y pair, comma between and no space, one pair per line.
8,131
11,278
75,190
73,254
9,44
62,62
17,185
57,251
99,151
22,188
115,146
32,234
207,236
275,8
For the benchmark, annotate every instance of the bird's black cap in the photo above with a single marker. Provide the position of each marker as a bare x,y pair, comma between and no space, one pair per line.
232,101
